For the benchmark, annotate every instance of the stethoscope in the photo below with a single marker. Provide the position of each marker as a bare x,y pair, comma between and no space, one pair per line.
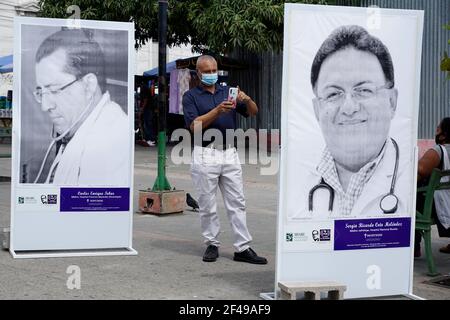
389,202
59,138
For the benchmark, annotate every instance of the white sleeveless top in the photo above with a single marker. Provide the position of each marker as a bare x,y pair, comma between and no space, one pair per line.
442,197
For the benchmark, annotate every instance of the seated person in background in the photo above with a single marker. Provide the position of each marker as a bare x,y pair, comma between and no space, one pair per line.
437,157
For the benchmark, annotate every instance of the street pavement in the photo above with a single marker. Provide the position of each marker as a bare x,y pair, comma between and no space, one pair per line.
170,247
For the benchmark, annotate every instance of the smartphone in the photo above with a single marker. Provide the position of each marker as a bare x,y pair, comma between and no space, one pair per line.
232,95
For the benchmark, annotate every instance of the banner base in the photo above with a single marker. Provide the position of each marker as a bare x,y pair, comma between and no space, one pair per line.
413,297
19,254
267,295
271,296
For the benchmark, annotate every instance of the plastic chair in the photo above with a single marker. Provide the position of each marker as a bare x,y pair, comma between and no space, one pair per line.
424,219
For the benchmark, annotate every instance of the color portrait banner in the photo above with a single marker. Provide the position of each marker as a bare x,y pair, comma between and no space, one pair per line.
73,141
351,83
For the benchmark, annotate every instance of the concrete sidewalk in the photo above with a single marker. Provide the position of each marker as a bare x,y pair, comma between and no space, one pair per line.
169,264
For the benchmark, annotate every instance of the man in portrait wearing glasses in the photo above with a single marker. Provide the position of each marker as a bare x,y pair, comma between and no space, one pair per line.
90,132
352,77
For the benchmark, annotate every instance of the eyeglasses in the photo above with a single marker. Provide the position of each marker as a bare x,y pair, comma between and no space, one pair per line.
39,92
336,96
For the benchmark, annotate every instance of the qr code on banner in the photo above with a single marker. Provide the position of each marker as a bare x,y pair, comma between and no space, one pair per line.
52,199
49,199
325,234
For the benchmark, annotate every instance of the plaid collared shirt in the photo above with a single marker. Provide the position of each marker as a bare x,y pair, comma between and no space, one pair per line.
347,199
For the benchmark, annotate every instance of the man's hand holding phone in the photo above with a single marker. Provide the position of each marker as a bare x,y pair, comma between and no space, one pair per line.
225,106
242,97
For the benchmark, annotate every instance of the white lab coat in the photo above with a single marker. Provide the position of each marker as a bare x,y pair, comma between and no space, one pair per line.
368,203
99,152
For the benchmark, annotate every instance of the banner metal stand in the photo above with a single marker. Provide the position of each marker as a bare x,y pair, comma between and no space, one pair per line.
271,296
72,253
267,295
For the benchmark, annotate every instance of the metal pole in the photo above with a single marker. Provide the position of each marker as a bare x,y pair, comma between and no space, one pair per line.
161,182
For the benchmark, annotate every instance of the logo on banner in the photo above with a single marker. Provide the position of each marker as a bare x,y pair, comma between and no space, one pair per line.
315,235
289,237
321,235
325,234
27,200
297,236
49,199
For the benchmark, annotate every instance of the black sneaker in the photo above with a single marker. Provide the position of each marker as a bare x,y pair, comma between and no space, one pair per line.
249,256
211,253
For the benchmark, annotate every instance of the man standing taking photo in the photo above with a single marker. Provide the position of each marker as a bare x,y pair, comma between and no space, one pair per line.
216,164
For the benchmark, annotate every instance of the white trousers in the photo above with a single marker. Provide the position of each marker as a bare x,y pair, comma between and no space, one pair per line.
211,168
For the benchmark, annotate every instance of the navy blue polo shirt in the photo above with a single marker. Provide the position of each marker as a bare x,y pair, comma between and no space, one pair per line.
198,101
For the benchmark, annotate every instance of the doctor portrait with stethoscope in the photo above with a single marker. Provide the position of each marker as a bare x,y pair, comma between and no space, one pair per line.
90,137
355,100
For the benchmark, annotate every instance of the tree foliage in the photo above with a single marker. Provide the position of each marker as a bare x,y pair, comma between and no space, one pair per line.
445,64
208,25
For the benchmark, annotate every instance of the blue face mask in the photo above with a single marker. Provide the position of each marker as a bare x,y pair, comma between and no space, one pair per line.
209,79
